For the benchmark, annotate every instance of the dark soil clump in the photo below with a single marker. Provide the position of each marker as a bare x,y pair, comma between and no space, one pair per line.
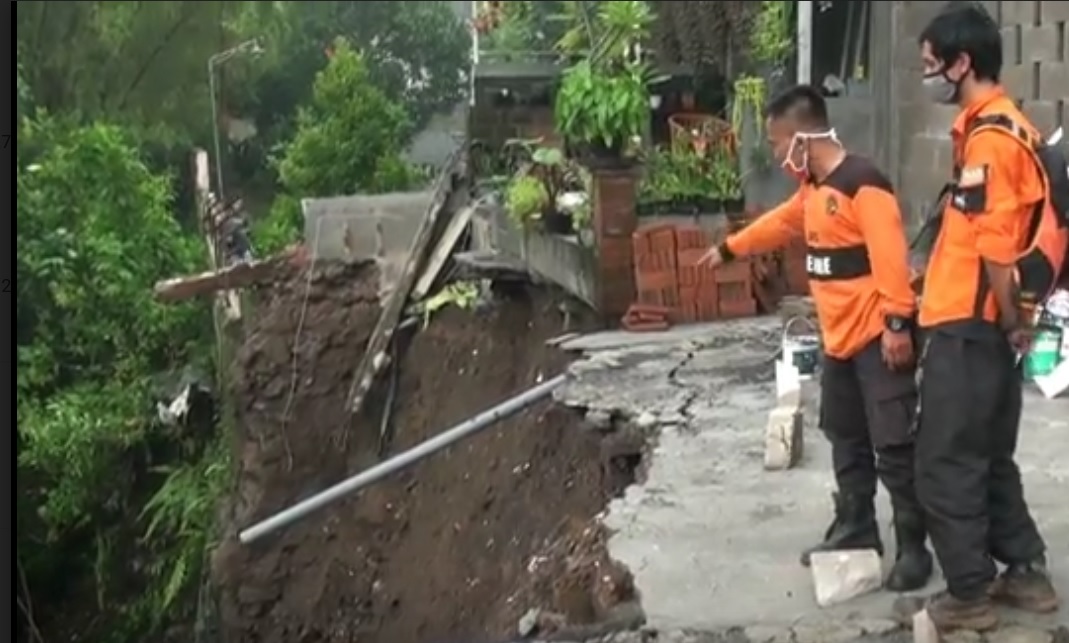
456,548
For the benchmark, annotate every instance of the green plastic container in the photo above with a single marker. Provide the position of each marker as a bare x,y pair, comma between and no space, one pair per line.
1045,354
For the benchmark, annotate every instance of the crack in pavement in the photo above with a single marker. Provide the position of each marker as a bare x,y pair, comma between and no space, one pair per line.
690,390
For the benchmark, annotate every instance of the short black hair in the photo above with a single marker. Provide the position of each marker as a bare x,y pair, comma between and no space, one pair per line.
966,28
804,103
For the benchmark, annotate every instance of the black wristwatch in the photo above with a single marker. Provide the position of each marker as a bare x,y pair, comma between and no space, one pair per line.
897,324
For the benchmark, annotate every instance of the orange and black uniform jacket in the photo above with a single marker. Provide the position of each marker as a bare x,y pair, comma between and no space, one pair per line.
857,255
987,217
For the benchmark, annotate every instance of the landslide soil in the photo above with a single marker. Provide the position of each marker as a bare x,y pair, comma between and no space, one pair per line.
456,548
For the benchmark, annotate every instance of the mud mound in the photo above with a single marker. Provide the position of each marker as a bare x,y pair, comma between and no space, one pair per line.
458,547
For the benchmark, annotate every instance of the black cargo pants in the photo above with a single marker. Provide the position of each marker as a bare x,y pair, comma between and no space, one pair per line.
967,480
867,413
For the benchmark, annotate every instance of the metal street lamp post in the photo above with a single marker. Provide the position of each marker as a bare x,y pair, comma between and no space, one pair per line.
248,47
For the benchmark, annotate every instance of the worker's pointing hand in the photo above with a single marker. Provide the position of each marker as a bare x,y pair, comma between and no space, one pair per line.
712,258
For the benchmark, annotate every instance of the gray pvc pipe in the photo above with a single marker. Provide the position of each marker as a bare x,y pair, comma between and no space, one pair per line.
400,461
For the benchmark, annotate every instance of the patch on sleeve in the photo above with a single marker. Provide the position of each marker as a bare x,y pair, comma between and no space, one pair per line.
973,176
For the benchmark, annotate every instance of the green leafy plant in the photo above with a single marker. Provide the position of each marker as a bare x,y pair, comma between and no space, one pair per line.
676,174
604,31
603,100
771,36
460,294
515,34
349,138
526,199
751,93
604,110
749,102
726,180
95,231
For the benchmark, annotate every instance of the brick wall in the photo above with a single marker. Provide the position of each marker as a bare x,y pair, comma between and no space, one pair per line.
1036,71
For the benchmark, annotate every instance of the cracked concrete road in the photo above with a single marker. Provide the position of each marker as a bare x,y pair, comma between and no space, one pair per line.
711,537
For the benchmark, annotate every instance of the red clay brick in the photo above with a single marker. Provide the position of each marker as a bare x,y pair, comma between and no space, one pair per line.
708,293
691,238
737,309
706,311
728,291
739,270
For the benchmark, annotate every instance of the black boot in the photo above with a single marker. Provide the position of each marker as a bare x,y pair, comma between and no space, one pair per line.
854,527
913,561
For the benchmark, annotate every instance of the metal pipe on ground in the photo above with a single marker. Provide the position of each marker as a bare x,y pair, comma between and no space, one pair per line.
400,461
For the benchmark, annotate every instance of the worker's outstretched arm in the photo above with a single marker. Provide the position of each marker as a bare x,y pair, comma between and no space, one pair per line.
771,231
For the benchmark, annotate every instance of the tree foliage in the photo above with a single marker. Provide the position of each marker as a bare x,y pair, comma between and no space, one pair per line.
94,231
349,140
349,136
416,52
105,492
142,64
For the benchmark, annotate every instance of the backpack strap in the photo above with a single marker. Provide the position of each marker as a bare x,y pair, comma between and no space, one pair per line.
1004,123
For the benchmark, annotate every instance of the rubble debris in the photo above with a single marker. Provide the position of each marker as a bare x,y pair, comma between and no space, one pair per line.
374,356
839,576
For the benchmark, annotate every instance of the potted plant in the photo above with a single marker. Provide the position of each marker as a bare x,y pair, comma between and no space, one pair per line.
526,199
603,102
601,113
727,183
555,176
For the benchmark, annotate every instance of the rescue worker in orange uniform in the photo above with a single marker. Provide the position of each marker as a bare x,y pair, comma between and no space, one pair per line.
970,392
857,262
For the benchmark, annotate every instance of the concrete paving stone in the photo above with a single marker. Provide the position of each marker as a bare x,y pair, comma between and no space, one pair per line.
1020,635
711,538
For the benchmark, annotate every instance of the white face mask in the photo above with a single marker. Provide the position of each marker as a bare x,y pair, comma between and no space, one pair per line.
801,169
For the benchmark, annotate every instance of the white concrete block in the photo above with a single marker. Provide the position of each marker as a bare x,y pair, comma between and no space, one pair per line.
839,576
784,443
924,630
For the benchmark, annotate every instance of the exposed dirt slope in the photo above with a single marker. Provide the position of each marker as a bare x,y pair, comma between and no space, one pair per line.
445,550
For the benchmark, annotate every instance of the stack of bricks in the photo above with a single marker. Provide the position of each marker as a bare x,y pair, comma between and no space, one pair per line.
668,275
656,276
794,268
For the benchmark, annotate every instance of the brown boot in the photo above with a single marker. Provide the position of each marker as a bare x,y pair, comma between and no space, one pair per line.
1026,587
948,613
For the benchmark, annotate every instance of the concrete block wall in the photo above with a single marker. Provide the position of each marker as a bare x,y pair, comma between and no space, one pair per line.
1036,72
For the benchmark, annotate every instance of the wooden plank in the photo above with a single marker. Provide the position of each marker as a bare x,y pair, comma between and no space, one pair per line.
375,355
457,225
233,277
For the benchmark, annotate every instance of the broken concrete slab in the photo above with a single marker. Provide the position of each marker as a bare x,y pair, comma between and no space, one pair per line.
839,576
784,438
700,332
924,630
710,536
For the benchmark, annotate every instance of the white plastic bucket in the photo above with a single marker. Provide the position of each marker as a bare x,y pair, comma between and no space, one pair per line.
801,351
